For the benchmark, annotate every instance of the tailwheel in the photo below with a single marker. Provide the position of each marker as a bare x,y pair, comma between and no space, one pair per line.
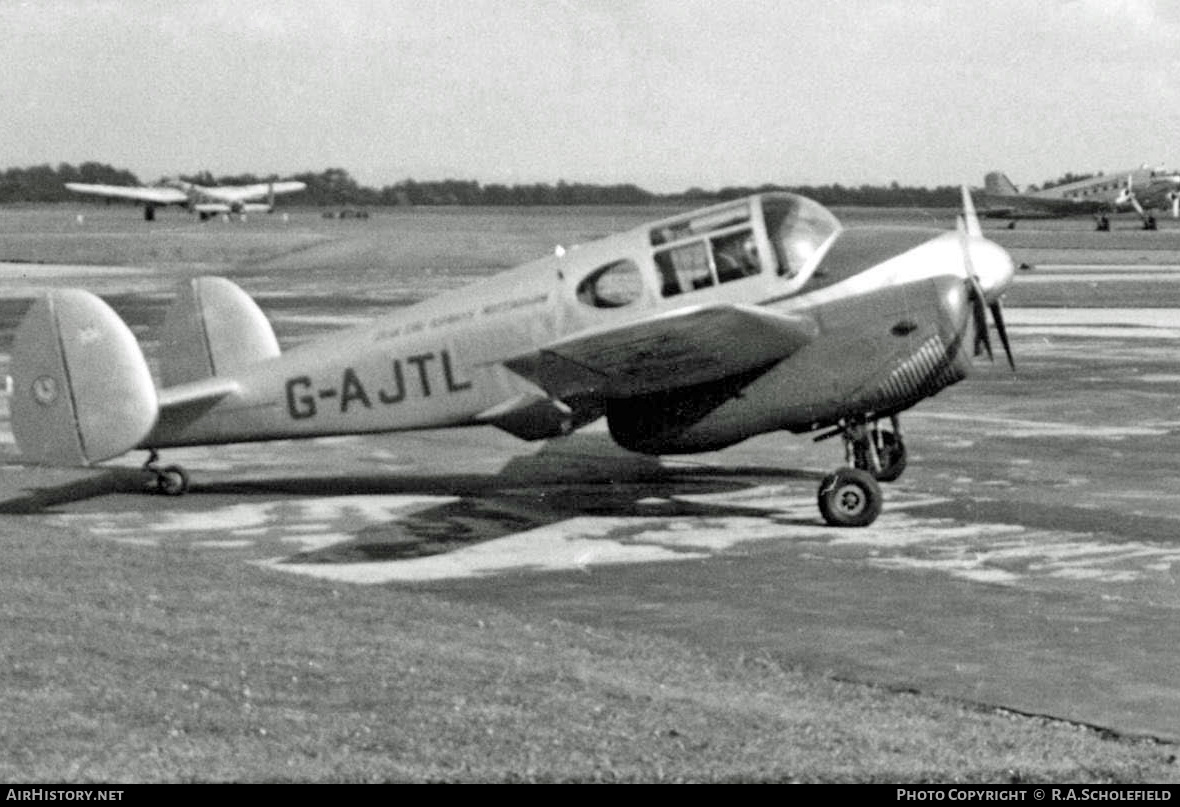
849,497
171,480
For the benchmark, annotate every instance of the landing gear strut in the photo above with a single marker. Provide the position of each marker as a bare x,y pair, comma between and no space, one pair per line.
851,496
870,448
171,480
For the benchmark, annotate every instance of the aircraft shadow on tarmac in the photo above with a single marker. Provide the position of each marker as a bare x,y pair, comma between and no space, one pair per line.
551,486
570,478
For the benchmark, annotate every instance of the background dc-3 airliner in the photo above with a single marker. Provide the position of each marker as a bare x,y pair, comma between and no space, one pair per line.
688,334
203,199
1140,189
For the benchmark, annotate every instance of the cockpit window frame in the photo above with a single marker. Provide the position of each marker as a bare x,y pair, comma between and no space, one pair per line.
589,293
703,222
797,271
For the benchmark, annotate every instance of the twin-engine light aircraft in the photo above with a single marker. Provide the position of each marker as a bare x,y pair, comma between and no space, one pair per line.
690,334
202,199
1140,189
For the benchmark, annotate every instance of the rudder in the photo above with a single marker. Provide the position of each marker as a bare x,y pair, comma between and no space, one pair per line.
81,389
997,184
213,328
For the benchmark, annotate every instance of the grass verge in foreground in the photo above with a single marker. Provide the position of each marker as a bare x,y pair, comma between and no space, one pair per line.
165,664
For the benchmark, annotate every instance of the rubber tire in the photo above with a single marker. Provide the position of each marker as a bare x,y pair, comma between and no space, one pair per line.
172,481
849,497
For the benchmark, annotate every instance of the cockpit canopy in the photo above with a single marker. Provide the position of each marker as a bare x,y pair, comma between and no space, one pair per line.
770,233
757,238
797,227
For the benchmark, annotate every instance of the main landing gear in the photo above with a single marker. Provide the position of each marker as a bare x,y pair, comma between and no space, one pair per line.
851,496
171,480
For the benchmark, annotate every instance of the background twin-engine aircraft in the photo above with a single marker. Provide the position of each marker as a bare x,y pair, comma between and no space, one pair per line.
688,334
203,199
1140,189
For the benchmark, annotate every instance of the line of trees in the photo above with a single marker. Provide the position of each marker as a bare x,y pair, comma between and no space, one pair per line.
44,183
334,186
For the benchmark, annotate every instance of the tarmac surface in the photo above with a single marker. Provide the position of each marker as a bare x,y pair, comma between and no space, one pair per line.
1028,558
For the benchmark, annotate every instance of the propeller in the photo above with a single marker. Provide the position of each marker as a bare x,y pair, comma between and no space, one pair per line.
980,302
998,315
1127,197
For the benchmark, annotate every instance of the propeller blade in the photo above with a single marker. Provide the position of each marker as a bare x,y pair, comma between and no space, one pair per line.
1135,204
977,304
998,316
970,218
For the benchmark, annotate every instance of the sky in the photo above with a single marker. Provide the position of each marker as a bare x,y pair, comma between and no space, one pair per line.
666,94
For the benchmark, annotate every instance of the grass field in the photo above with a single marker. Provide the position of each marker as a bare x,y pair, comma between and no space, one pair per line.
120,664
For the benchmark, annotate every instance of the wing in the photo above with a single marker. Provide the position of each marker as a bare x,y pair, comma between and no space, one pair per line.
1159,194
286,187
245,193
687,346
159,196
1028,207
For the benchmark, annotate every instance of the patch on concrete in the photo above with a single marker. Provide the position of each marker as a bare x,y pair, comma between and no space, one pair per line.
387,538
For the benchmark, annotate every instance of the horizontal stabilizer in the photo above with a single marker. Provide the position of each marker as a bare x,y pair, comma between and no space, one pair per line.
212,207
81,389
206,391
213,328
676,349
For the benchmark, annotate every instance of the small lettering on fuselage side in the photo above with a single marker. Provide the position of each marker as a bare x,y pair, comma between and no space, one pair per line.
302,393
448,320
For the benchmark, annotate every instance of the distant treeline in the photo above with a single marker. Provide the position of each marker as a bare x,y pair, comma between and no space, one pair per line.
334,186
44,183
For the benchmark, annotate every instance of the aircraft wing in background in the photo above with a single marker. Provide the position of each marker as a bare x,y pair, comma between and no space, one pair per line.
247,193
155,196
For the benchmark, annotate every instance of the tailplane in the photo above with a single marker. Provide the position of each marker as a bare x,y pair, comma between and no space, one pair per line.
997,184
81,389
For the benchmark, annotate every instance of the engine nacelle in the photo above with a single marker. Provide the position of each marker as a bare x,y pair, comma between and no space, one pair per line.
659,422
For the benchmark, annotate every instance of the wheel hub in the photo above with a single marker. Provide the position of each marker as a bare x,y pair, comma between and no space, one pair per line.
851,500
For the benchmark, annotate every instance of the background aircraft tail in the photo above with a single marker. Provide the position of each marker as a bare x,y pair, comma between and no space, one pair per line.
81,389
997,184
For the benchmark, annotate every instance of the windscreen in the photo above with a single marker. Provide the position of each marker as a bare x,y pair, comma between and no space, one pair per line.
797,228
